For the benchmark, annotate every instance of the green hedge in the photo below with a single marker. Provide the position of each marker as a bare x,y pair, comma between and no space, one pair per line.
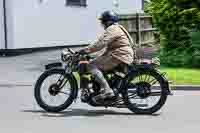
179,47
179,57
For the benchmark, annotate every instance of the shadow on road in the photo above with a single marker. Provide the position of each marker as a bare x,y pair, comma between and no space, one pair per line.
83,112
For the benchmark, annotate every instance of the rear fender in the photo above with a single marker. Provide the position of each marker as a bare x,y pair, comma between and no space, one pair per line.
147,67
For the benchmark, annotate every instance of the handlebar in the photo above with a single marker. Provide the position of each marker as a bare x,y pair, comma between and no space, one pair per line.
76,54
71,51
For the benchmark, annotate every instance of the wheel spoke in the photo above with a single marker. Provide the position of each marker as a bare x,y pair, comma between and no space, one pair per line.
153,81
141,105
144,91
64,93
140,77
132,95
158,93
51,99
146,77
63,84
57,99
132,91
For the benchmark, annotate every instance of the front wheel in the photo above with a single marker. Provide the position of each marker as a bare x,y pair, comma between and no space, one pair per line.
55,90
146,92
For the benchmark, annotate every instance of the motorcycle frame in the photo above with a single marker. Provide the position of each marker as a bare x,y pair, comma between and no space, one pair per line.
132,71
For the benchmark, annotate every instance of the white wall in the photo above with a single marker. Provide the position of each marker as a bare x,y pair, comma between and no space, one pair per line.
51,23
2,42
130,6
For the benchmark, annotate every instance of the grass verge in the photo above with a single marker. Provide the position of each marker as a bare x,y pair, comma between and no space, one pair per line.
183,76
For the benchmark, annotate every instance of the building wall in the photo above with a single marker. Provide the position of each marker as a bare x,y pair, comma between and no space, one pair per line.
2,42
51,23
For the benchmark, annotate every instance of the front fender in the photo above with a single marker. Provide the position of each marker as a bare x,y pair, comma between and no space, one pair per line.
53,65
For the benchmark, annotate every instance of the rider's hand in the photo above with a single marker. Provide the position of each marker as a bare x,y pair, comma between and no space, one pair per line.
83,51
87,51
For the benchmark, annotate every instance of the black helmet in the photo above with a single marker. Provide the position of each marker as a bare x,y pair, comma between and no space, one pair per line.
108,18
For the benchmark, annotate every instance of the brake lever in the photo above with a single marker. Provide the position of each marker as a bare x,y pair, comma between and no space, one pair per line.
71,51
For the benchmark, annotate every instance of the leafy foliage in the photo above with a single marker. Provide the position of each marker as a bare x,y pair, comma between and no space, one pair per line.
186,4
175,22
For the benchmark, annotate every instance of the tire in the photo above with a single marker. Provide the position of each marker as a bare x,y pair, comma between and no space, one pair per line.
163,96
70,99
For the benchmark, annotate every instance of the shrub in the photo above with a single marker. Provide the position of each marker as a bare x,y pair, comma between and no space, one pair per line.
175,24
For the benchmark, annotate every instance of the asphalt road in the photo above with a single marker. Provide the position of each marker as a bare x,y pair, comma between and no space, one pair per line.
20,114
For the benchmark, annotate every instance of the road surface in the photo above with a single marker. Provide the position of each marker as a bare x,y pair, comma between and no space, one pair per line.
19,112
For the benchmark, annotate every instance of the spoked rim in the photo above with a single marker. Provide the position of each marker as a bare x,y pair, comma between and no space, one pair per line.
144,91
55,90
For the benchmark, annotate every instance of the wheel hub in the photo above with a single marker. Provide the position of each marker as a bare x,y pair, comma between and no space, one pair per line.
143,89
54,89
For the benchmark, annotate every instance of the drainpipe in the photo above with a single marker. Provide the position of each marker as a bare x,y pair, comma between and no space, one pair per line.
143,5
5,24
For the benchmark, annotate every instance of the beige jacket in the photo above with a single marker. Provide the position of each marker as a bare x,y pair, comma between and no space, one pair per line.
117,44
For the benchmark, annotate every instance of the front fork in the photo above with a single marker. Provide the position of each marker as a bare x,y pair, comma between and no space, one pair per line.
61,82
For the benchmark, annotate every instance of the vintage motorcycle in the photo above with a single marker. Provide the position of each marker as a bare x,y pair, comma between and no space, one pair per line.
139,87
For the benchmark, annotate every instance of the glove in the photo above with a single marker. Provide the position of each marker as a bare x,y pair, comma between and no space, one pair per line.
83,51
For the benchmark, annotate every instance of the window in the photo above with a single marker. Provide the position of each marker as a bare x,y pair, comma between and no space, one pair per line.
76,3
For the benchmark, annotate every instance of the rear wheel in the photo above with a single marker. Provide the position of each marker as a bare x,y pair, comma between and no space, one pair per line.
146,92
55,90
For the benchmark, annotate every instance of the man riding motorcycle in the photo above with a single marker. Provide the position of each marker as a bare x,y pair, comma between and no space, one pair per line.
117,42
